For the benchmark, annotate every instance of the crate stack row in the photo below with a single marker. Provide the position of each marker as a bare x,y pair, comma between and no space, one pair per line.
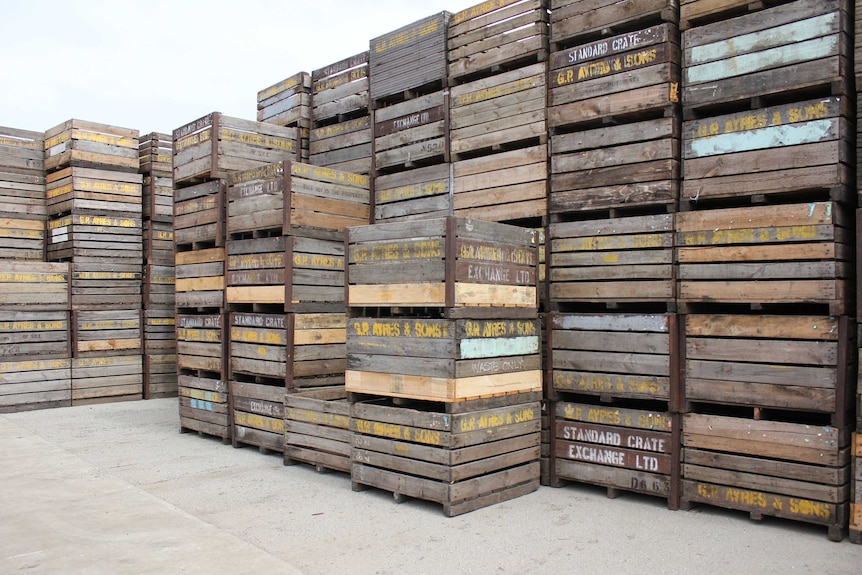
205,152
765,253
23,211
94,203
288,104
285,302
856,464
614,122
159,317
443,360
341,132
410,109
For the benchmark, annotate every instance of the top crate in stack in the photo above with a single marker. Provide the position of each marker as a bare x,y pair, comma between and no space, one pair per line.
77,143
341,122
22,195
288,104
156,165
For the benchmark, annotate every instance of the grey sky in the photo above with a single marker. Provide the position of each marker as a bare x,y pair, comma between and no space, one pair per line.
154,65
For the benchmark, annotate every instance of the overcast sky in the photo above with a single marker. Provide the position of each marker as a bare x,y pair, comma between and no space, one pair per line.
154,65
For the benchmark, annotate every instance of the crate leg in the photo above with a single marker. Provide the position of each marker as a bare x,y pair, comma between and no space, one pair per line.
613,493
399,498
835,533
357,486
320,469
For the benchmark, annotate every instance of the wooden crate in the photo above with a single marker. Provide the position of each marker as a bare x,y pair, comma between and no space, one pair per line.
790,470
613,261
22,239
155,155
96,239
412,57
96,192
494,36
21,152
201,344
159,284
211,147
794,47
614,356
35,384
442,359
461,267
97,286
780,254
79,143
499,112
293,198
341,122
107,333
633,165
200,280
412,133
160,375
104,379
545,460
300,274
158,198
792,362
34,286
618,448
699,12
259,347
486,454
199,215
509,185
317,429
856,491
287,103
22,190
420,193
34,335
631,75
572,21
160,331
803,147
257,414
203,405
158,238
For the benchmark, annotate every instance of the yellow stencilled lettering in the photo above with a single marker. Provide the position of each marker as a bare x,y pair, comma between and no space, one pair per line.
431,330
478,10
808,508
32,277
643,58
707,491
253,139
327,262
363,426
428,249
594,69
609,416
426,436
390,430
361,328
259,421
161,321
746,497
380,329
193,140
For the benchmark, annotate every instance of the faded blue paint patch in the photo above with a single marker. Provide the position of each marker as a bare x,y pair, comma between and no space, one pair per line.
498,347
764,138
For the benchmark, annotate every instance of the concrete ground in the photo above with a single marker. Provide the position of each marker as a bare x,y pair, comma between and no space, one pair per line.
115,489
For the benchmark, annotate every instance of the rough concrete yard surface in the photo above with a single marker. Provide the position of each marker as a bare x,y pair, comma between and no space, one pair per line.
115,489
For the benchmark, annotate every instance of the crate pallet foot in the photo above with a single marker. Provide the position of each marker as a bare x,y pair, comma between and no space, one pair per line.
356,486
398,497
556,482
686,505
613,493
321,469
836,533
755,516
288,462
855,537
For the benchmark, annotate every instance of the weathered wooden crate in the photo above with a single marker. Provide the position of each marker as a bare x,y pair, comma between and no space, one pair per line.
614,356
97,286
159,283
92,191
804,147
412,133
79,143
203,405
485,454
34,286
573,21
34,335
545,460
613,261
699,12
494,36
287,103
211,147
412,57
155,155
421,193
257,414
21,152
317,429
201,343
158,198
200,279
22,186
35,384
629,166
158,238
107,333
292,198
620,448
458,267
199,215
792,48
792,362
85,238
160,375
632,75
160,332
500,112
779,254
343,146
442,359
505,186
301,274
856,491
790,470
22,239
106,379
